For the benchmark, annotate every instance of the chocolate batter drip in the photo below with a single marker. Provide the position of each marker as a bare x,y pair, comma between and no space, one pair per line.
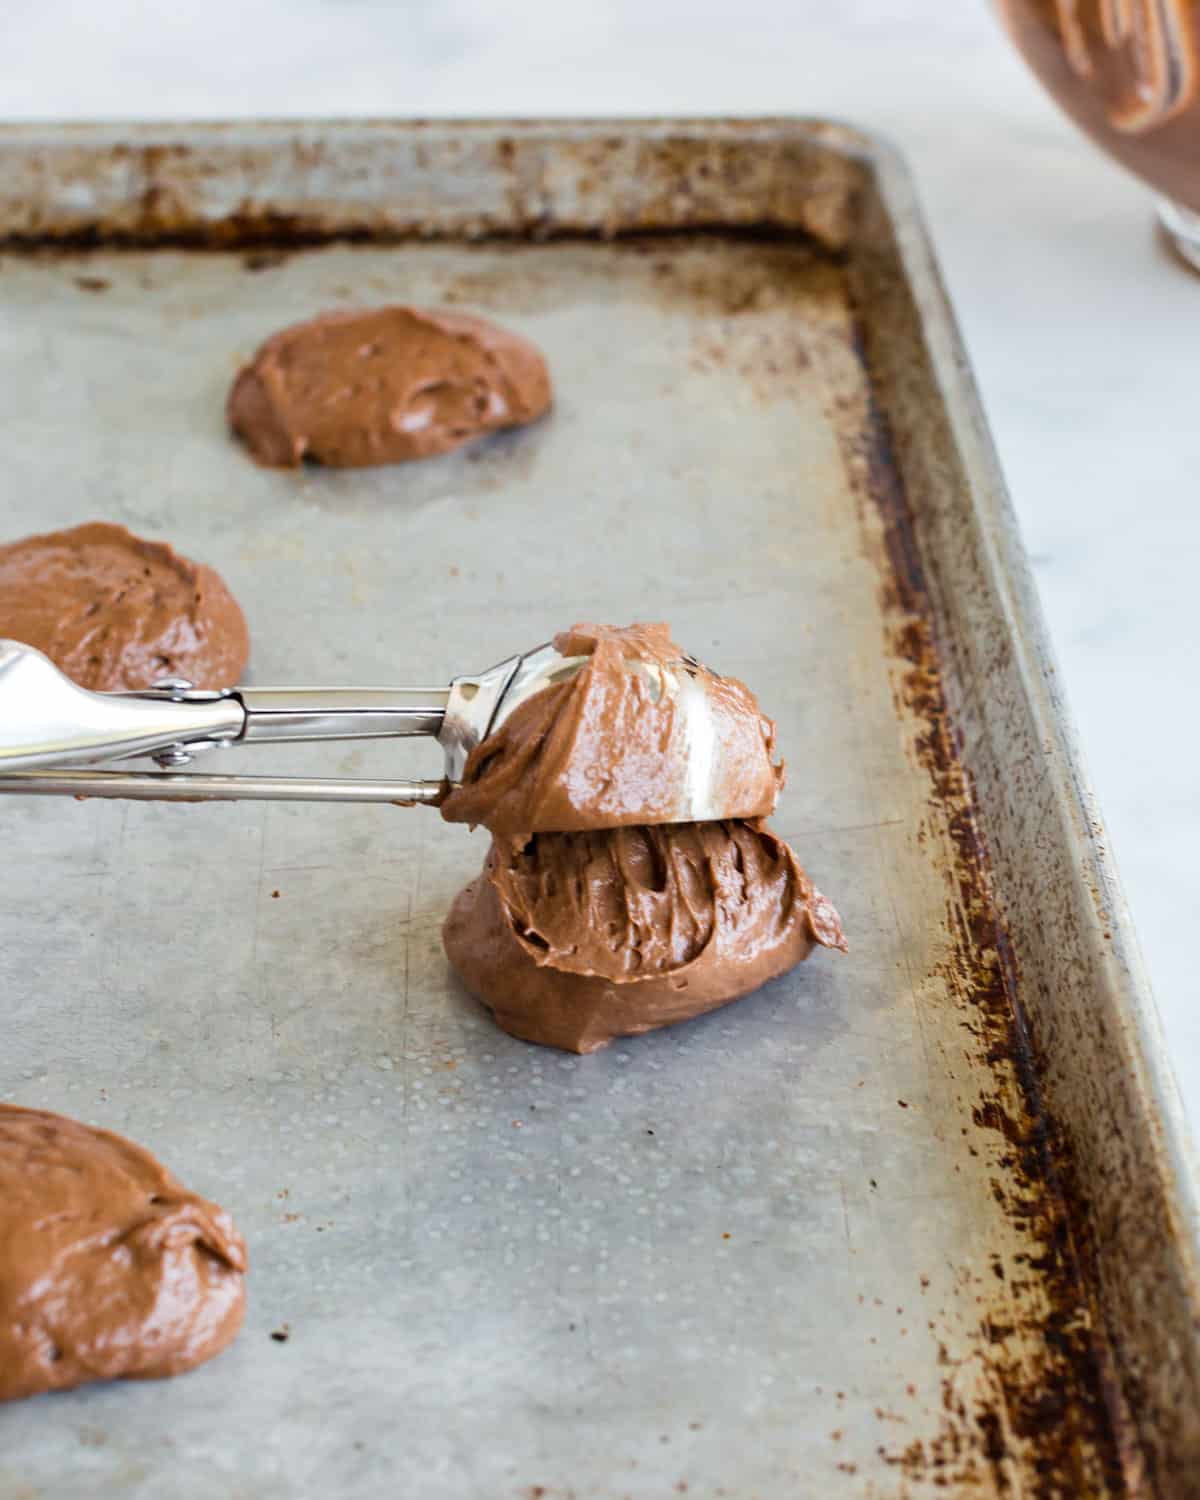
109,1267
117,613
384,385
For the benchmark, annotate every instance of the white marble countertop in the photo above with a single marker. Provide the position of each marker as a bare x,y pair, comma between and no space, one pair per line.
1076,319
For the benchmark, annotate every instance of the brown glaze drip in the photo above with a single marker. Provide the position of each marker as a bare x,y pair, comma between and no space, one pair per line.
1128,72
603,750
382,386
117,613
572,939
109,1267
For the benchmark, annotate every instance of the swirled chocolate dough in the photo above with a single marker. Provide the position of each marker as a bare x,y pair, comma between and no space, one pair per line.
608,748
572,939
108,1266
119,613
382,386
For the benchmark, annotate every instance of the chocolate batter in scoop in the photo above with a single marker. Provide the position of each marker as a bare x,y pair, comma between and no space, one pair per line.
108,1266
383,385
572,939
609,748
117,613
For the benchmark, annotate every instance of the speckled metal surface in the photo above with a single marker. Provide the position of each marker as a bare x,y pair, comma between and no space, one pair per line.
840,1238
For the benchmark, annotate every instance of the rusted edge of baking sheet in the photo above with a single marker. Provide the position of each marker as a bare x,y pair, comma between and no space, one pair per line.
226,186
1113,1121
1100,1115
1031,1401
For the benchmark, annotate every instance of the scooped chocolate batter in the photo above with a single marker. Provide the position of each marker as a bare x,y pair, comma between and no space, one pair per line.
119,613
108,1267
572,939
383,385
607,748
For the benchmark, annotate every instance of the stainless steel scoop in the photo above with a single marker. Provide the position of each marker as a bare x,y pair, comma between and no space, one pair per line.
50,727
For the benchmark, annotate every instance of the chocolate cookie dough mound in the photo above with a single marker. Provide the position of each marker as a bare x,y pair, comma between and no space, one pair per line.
607,748
572,939
108,1266
117,613
383,386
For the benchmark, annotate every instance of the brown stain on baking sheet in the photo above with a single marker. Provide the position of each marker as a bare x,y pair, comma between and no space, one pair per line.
268,240
594,182
1027,1398
1028,1403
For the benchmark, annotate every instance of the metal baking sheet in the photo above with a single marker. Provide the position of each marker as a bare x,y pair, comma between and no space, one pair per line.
910,1222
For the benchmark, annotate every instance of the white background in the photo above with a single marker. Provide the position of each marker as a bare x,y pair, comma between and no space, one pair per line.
1078,322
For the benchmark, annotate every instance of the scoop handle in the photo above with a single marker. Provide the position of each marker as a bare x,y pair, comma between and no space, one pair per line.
55,736
170,786
48,720
279,714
